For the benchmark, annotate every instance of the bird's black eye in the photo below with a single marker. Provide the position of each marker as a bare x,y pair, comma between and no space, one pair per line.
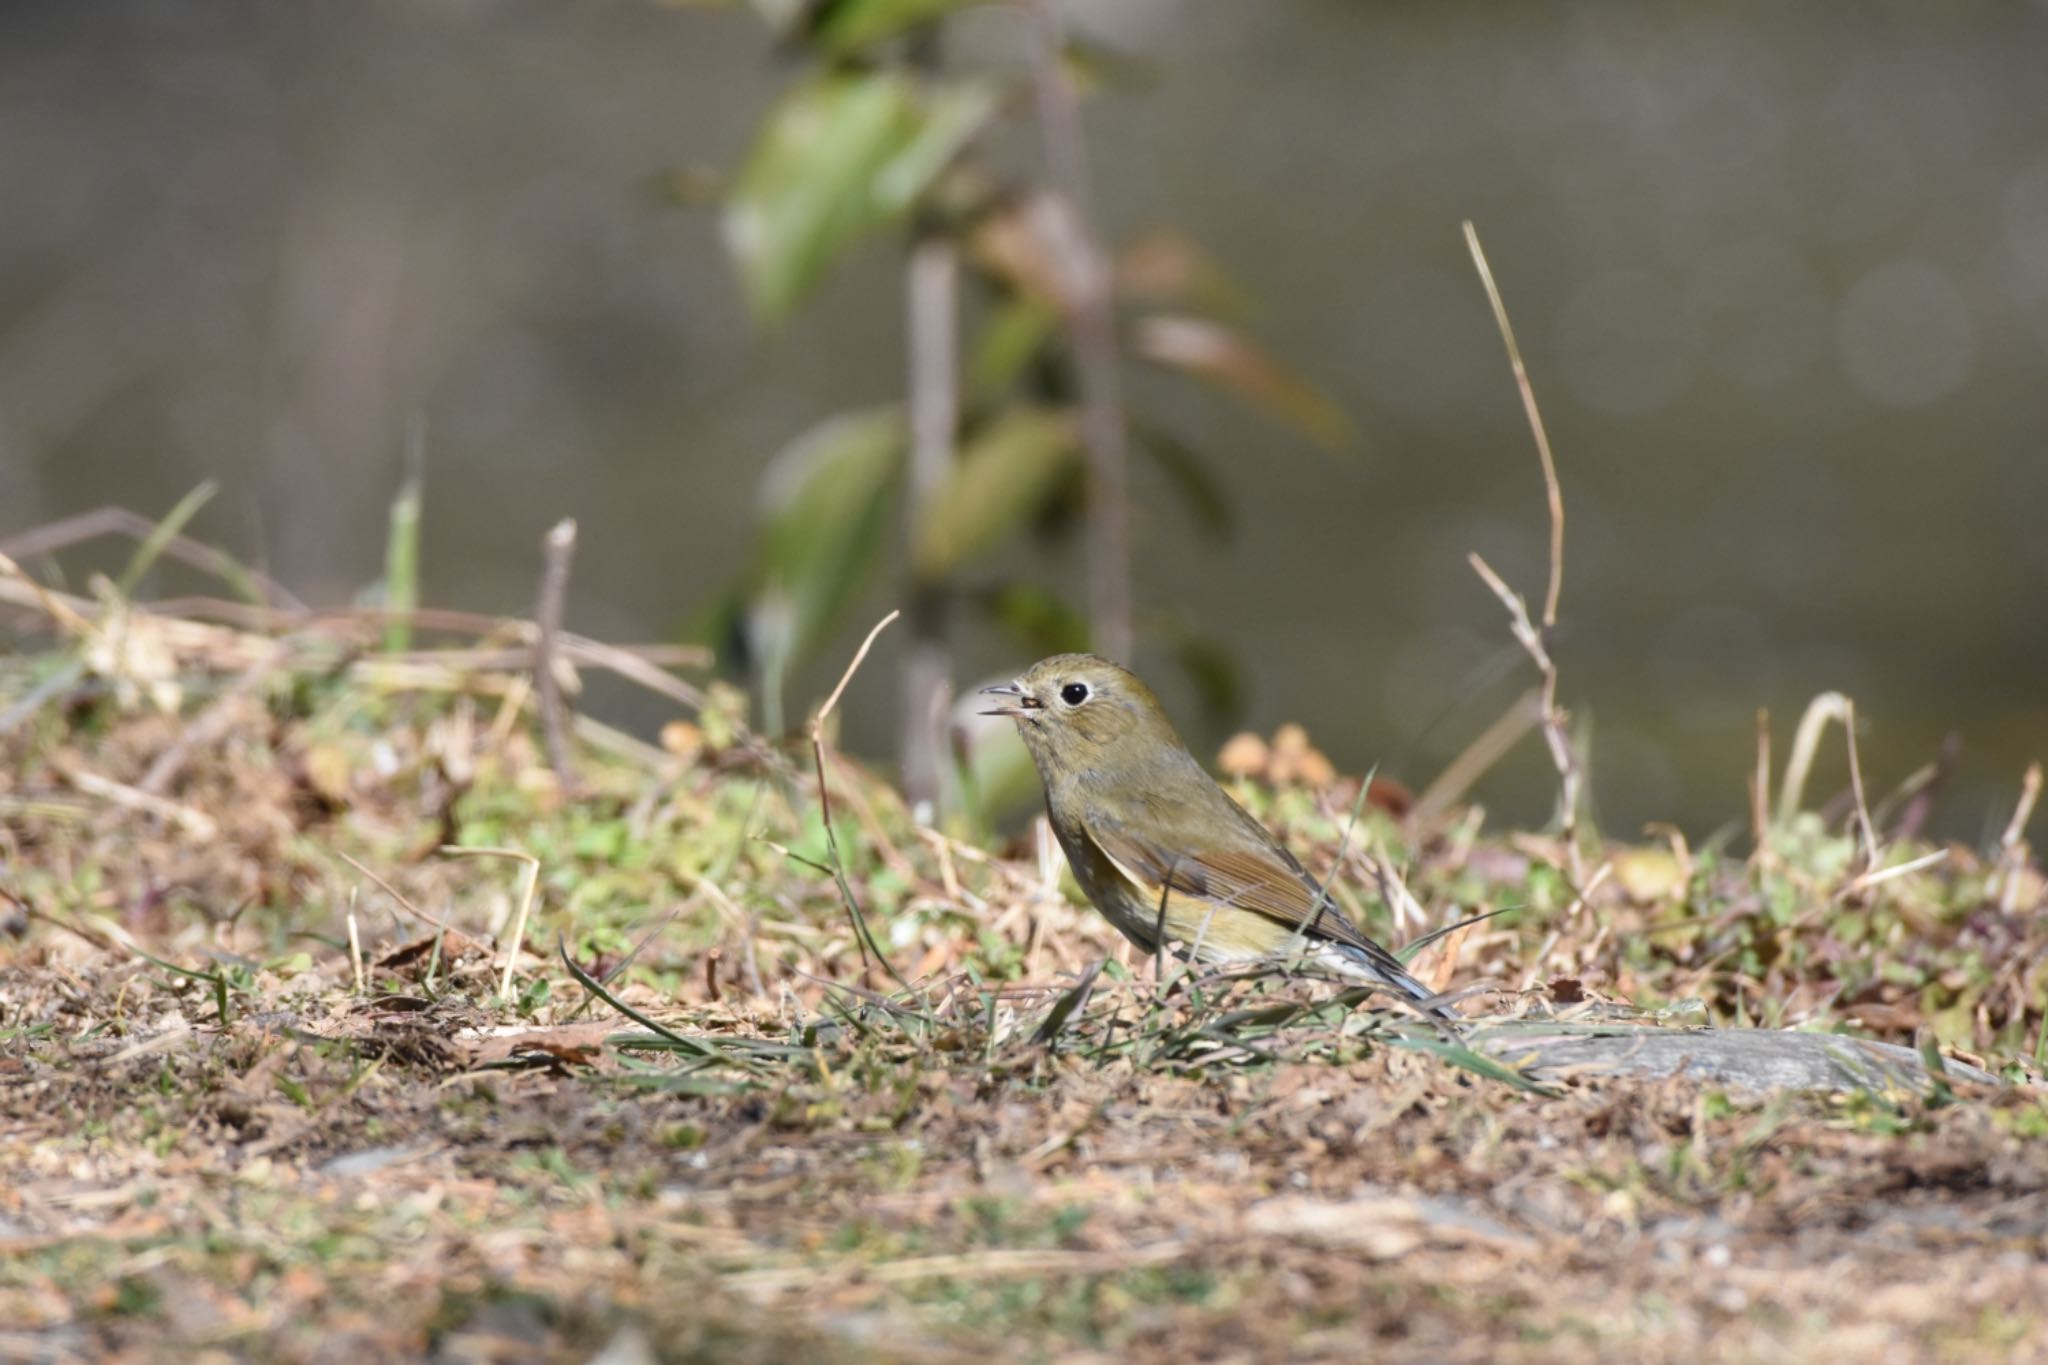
1073,694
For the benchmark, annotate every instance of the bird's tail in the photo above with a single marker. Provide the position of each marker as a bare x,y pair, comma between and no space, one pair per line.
1384,969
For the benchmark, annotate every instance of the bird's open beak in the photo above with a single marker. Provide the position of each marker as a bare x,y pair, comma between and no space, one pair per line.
1024,703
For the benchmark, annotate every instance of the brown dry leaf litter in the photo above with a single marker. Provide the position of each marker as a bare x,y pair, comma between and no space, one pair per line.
228,1129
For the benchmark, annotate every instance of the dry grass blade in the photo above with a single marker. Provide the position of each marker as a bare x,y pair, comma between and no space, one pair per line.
1877,876
1760,789
870,949
1006,1158
529,881
2030,792
1553,491
1871,853
1552,717
432,921
196,823
1805,745
58,535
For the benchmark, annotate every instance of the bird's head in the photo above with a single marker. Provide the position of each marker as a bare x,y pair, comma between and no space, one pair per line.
1081,714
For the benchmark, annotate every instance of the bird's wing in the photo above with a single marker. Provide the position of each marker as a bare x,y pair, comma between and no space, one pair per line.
1259,876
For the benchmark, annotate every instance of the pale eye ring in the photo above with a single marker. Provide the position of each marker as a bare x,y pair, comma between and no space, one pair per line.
1073,694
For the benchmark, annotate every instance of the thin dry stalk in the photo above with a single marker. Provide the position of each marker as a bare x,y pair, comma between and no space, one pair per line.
434,921
528,881
1869,831
1091,321
1877,876
1571,916
1551,488
558,549
1805,744
871,825
1760,788
58,535
1400,900
63,610
832,701
195,823
355,948
2012,846
1552,719
574,647
2016,828
865,939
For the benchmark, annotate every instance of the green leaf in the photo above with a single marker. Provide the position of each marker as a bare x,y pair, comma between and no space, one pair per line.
951,118
846,27
1014,336
840,156
1215,353
1000,482
825,507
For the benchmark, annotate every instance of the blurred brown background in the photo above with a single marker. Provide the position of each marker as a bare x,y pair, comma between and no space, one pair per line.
1781,275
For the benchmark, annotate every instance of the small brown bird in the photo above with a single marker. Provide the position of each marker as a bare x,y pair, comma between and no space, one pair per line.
1159,847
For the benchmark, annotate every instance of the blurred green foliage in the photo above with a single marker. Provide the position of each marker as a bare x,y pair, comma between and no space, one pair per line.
878,134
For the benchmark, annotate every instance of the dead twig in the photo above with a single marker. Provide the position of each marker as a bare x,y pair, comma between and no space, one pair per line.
58,535
434,921
1552,716
2012,847
1553,491
195,823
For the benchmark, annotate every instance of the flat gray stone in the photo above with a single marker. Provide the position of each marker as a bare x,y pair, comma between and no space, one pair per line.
1740,1059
